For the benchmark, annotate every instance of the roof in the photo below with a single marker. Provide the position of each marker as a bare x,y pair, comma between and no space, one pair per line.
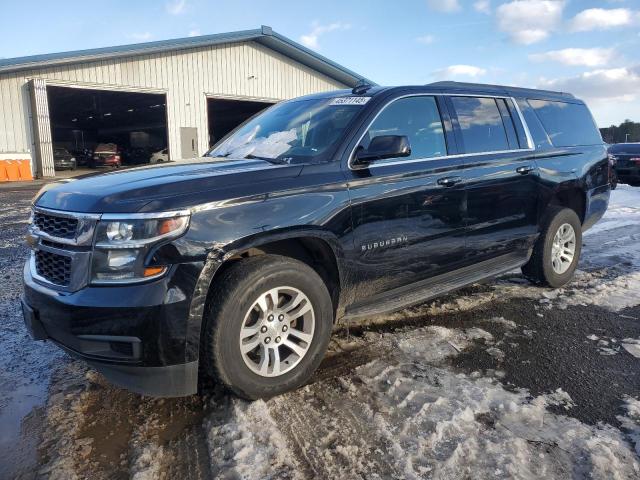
264,35
500,90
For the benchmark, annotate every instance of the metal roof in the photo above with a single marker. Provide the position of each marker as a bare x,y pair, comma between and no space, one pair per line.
264,35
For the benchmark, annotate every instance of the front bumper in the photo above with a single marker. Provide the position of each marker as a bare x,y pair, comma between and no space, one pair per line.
137,336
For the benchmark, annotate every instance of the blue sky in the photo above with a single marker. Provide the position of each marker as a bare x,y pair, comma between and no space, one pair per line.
590,48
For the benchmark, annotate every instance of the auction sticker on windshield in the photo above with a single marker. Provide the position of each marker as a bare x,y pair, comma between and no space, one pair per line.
350,101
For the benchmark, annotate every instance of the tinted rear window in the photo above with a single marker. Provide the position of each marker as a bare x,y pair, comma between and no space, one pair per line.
480,124
625,148
567,124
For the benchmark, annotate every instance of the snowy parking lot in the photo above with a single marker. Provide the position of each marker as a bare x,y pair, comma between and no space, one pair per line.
500,380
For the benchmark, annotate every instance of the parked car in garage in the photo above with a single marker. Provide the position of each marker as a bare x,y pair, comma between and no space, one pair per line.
318,210
135,156
160,156
83,156
626,160
63,160
106,155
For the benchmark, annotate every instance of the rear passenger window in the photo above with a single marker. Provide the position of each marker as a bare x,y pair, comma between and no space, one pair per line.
481,124
416,117
567,124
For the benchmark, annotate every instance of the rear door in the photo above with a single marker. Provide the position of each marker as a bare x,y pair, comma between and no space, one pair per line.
500,175
408,222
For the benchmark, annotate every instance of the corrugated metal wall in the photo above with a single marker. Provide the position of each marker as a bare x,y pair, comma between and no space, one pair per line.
187,76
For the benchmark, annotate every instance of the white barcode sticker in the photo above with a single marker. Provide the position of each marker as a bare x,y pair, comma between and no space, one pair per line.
350,101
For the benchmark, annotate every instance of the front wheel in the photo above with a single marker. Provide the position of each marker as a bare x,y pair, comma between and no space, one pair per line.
268,327
557,250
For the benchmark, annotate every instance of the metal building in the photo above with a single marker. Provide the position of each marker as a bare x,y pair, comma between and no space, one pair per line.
185,93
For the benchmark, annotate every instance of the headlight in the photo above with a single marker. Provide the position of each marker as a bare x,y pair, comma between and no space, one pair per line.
123,242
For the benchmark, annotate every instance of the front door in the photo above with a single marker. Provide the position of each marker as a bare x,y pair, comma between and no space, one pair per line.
408,219
189,142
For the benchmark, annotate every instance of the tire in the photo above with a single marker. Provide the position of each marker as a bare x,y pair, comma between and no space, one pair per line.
540,267
236,293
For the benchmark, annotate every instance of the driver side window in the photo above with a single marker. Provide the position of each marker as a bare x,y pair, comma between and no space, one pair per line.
417,118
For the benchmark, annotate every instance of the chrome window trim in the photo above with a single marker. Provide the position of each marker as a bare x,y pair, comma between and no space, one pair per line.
383,163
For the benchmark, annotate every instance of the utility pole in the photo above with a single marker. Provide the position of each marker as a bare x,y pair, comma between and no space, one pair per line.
626,138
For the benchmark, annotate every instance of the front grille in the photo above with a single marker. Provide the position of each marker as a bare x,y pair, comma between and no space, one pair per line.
53,267
61,227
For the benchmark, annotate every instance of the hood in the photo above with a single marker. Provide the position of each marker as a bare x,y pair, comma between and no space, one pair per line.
174,185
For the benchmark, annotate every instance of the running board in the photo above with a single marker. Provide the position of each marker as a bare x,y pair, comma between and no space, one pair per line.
433,287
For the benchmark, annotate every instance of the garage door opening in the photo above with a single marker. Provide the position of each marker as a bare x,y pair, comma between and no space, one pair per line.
225,115
82,119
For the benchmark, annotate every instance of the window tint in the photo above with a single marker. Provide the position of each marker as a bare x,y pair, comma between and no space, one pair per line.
481,124
567,124
507,121
416,117
625,148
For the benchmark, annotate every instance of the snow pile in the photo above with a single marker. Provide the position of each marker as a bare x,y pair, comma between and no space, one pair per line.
631,421
614,292
246,443
447,425
632,345
407,414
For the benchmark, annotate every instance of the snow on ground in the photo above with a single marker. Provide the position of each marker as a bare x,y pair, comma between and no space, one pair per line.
407,415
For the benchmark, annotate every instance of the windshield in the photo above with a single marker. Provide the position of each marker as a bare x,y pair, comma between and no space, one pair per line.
293,132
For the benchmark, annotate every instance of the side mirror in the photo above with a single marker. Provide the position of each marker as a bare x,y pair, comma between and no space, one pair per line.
381,147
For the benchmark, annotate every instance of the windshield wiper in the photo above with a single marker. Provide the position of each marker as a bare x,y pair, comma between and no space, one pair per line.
268,159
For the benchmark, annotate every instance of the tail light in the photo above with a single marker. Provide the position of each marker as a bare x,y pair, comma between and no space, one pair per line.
635,160
116,158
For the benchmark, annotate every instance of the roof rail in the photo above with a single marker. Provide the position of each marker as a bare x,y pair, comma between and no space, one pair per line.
486,86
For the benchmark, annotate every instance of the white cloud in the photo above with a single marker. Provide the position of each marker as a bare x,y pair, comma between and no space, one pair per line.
589,57
529,21
446,6
311,39
453,72
482,6
176,7
612,94
601,19
194,32
426,39
614,83
141,36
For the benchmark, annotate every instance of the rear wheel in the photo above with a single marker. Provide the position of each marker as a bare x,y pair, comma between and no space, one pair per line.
269,327
557,250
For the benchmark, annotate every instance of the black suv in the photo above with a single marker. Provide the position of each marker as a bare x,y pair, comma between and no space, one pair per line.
626,160
330,206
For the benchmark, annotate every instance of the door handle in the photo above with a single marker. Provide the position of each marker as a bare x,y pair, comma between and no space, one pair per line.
525,169
449,181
